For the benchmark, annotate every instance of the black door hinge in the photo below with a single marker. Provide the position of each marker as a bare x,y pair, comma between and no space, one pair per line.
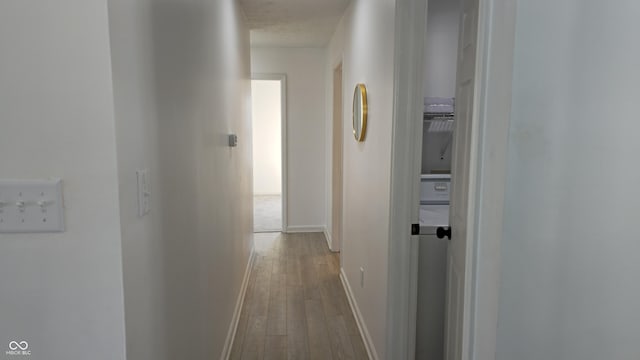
415,229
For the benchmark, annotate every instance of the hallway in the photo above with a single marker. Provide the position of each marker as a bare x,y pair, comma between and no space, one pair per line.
295,306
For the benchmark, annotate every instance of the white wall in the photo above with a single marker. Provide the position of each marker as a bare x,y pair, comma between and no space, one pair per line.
305,70
570,266
441,48
266,105
441,55
182,84
62,293
368,53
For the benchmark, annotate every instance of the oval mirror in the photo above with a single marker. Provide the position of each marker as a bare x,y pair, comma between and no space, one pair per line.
360,112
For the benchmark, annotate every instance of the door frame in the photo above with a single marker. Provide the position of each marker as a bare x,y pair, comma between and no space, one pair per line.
491,112
335,245
283,137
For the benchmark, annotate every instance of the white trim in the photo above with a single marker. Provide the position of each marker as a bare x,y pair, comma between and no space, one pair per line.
497,26
338,61
406,156
327,236
494,64
364,333
306,229
283,124
233,327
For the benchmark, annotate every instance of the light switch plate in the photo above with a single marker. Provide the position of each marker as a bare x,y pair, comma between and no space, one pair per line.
144,192
31,206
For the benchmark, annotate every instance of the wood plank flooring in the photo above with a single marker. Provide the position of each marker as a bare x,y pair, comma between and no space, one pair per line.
295,306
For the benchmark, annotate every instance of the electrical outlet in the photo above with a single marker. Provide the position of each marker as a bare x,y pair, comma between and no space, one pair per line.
144,192
361,277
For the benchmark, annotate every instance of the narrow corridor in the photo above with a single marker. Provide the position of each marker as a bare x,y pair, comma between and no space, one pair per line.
295,306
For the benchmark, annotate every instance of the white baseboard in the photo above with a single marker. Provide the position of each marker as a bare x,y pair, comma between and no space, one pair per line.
366,338
327,235
304,229
226,351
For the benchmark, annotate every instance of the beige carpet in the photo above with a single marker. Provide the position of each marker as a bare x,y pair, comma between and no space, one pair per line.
267,213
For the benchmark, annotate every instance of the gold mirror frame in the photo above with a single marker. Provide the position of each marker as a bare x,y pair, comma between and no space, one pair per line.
361,90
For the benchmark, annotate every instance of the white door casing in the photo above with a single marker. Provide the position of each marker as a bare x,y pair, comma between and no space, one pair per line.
337,155
462,194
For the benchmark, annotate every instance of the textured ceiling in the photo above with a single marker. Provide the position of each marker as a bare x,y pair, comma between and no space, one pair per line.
292,22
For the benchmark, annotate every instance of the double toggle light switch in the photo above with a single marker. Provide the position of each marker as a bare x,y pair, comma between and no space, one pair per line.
31,206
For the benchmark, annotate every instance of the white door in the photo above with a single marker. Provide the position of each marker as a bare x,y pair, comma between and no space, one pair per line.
457,324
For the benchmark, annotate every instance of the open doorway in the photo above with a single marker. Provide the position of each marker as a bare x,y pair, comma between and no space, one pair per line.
466,282
269,165
439,91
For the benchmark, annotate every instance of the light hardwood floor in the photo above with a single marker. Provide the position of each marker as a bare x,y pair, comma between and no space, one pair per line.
295,306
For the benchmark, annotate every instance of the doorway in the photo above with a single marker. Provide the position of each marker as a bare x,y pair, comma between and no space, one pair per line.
269,165
337,175
438,91
478,153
